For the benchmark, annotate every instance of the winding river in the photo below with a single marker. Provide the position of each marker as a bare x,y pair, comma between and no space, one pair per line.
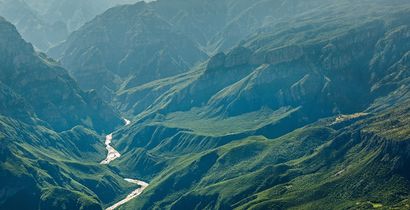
114,154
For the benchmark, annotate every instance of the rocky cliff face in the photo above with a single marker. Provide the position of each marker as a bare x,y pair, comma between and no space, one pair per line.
278,55
237,57
317,57
170,37
216,61
129,46
47,88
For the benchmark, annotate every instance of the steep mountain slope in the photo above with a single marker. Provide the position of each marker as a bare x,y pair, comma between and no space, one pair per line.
44,90
358,163
42,169
307,107
276,82
219,25
127,45
169,37
49,156
45,23
274,72
165,38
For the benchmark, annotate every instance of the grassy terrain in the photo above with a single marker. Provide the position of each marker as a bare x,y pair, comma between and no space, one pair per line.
215,126
320,165
60,169
220,140
311,111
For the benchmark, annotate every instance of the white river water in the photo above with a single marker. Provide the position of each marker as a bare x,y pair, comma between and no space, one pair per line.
114,154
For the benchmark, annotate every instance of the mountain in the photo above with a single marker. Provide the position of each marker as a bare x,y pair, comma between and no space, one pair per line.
43,169
349,163
264,104
44,92
134,44
305,68
50,143
127,45
45,23
300,115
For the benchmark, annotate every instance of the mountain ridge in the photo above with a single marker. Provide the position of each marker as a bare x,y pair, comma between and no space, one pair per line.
266,104
48,88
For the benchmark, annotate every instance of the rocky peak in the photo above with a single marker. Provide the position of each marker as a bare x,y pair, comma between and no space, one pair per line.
10,39
54,97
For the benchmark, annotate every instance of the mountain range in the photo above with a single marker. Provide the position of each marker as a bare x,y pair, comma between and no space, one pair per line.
49,134
46,23
265,104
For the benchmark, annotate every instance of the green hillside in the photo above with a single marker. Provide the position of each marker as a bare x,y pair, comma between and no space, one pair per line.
50,142
316,166
244,105
229,104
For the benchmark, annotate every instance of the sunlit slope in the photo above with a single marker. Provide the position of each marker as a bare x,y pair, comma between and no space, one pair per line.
358,163
50,143
245,104
40,167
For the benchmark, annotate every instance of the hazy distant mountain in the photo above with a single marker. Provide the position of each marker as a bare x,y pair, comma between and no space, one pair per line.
127,45
45,23
134,44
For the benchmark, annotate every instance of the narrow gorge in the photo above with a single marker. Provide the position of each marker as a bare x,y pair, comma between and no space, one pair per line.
111,156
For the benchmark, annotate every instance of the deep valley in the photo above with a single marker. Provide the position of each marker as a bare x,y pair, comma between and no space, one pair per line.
205,104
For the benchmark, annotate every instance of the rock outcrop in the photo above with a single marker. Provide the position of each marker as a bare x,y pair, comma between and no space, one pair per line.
278,55
52,95
238,56
216,61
